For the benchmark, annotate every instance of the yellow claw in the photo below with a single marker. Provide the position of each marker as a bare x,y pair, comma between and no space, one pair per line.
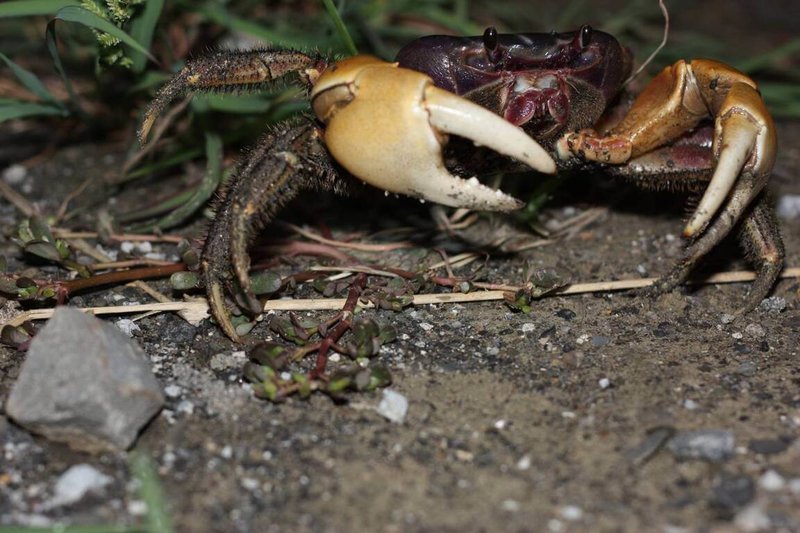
387,125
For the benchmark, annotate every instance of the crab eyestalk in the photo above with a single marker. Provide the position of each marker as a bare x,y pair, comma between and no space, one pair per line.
387,126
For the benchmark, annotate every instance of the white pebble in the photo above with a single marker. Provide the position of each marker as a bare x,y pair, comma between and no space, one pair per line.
137,508
528,327
604,383
511,505
752,518
127,326
144,247
426,326
185,407
173,391
755,330
524,462
789,206
250,483
690,405
14,174
573,513
393,406
771,481
73,484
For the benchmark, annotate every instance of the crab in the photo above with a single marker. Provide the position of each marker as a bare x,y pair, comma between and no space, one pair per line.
546,102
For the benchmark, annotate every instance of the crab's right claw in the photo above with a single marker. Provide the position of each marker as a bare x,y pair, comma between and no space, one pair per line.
387,125
745,145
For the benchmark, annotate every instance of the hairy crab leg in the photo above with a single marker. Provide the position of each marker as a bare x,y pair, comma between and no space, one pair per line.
287,160
232,71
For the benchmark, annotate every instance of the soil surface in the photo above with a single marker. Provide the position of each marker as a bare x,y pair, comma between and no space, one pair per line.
554,420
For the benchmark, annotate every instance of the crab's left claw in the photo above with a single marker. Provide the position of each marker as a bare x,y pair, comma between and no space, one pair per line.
387,125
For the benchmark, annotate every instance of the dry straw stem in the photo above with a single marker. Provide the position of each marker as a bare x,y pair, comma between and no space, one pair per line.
198,308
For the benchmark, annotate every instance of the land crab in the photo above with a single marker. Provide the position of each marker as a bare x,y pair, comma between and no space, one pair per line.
545,101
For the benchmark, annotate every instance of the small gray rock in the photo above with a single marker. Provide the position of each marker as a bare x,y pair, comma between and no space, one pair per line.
84,383
713,445
773,304
769,446
732,491
600,340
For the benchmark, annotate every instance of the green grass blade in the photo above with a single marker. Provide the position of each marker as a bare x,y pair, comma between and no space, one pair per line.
156,210
87,18
341,29
26,109
29,8
142,29
107,528
203,192
161,164
218,15
150,490
52,48
30,81
245,104
770,58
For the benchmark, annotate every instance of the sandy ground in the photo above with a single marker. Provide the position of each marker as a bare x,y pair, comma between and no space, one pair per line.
516,422
523,422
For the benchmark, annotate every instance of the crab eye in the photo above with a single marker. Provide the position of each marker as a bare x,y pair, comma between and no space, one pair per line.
490,38
586,35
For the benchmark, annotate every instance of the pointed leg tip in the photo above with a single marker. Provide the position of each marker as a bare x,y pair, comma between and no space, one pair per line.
216,302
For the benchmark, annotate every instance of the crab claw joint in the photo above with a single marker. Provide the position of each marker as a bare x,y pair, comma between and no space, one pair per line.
387,125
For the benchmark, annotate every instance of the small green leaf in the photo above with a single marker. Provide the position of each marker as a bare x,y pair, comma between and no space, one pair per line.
266,282
339,384
24,231
31,81
270,354
26,109
45,250
184,281
14,336
40,229
268,390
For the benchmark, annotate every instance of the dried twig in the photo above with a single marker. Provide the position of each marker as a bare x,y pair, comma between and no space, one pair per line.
16,199
132,237
663,43
62,209
363,247
322,304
